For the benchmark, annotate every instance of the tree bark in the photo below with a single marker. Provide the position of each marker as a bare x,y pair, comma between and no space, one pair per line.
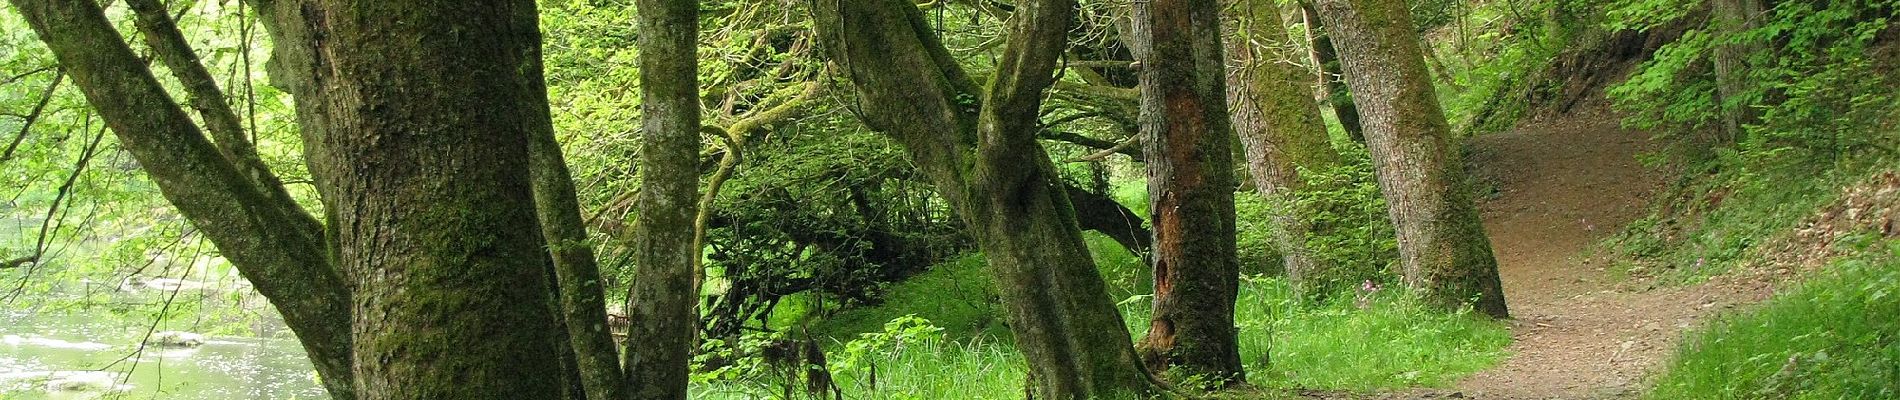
1730,19
663,300
578,284
1279,125
1102,214
1331,78
1442,245
430,137
980,150
276,245
1191,189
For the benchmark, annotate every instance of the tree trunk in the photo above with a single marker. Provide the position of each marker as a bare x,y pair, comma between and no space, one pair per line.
276,245
980,151
1191,187
1731,18
1442,245
663,300
1331,78
1279,126
578,283
452,296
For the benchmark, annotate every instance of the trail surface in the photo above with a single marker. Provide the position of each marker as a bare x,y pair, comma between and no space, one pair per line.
1580,332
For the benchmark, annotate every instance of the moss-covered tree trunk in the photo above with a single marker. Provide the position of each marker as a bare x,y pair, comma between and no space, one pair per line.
1443,249
1191,190
980,151
432,197
275,244
577,274
1331,77
1279,125
663,299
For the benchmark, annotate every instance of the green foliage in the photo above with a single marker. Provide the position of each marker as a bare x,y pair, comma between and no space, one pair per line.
1834,337
1352,232
84,205
1253,222
958,295
1357,340
1499,53
898,335
721,361
1360,340
1811,79
1715,222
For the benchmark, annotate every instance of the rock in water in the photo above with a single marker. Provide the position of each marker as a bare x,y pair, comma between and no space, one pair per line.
82,381
175,339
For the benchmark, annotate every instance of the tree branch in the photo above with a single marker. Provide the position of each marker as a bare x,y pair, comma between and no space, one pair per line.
19,262
1125,147
735,139
274,244
1106,146
33,116
205,97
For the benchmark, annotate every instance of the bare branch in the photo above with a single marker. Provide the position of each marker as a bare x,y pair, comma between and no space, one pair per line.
33,116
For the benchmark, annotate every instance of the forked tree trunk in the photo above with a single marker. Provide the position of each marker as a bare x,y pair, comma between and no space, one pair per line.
1331,77
1191,190
980,151
663,299
1278,124
1442,245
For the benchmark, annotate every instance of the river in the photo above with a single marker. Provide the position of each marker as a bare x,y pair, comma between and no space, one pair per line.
92,348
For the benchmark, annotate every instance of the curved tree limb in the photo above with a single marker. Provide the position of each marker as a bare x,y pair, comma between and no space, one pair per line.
735,139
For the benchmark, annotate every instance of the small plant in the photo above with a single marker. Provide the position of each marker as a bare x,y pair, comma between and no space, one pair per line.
898,335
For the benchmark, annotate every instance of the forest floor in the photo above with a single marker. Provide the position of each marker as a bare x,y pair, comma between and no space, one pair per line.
1581,329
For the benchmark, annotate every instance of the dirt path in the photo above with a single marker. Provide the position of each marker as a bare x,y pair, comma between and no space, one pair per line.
1580,333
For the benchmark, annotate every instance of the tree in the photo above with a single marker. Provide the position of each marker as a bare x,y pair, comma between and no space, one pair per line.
663,301
1731,19
1442,245
578,283
1326,59
1191,190
1278,124
979,149
431,137
274,243
426,177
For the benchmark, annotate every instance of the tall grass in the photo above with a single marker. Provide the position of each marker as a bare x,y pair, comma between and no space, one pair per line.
1358,341
1834,337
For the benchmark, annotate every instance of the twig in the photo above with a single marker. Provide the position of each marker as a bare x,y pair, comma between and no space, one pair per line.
1098,156
34,116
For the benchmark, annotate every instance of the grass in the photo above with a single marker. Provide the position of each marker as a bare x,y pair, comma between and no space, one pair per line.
1388,341
1716,222
1834,337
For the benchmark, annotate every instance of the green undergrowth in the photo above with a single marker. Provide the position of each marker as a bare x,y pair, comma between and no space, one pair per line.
1716,222
1834,337
942,335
